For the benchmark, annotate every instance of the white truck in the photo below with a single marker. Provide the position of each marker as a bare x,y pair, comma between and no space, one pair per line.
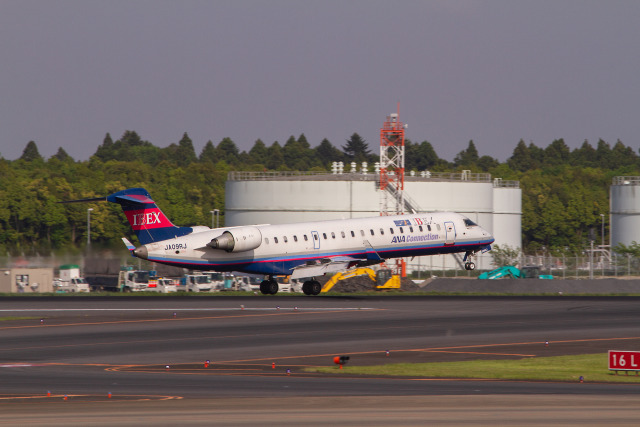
162,285
133,280
197,282
70,280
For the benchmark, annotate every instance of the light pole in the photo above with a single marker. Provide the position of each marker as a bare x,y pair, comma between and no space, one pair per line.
215,214
89,226
602,215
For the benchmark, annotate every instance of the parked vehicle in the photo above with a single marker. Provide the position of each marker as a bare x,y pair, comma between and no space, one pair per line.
509,271
162,285
70,280
196,282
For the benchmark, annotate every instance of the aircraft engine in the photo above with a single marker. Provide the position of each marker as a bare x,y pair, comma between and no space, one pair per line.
237,240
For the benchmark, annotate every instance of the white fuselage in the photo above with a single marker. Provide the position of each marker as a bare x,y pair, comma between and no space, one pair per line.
278,249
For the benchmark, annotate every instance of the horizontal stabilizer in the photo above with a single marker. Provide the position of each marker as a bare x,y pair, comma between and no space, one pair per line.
128,244
93,199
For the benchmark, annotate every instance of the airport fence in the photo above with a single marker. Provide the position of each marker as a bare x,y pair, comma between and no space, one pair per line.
584,266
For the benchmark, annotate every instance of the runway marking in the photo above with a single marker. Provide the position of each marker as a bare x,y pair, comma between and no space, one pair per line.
102,397
161,340
477,352
174,319
428,350
523,343
30,310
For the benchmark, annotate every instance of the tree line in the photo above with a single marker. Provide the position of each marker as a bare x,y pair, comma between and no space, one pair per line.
564,192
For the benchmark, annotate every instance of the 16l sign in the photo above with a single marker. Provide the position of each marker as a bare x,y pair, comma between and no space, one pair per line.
620,360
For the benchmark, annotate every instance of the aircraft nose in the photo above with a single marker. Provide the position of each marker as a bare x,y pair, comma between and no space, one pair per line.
141,252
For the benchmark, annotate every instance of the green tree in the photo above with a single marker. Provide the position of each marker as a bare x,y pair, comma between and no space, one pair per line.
604,154
522,159
467,158
62,155
295,155
31,153
356,149
505,255
258,153
209,153
557,153
275,158
622,156
106,150
228,151
185,154
585,156
326,153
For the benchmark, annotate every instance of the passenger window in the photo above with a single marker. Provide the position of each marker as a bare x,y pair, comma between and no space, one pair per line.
305,237
324,235
295,238
353,234
391,230
315,236
284,239
381,232
410,229
333,235
372,233
275,240
428,227
401,230
343,235
420,227
362,233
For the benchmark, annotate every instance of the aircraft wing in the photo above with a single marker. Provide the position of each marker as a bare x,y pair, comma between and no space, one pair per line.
323,266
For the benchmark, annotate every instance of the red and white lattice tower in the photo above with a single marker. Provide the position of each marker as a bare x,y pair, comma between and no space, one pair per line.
392,166
392,174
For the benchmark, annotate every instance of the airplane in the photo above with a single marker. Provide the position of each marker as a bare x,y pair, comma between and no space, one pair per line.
300,250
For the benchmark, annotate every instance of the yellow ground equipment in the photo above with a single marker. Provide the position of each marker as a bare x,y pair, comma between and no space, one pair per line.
384,279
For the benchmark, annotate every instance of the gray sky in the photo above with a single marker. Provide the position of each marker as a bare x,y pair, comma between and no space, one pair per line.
492,71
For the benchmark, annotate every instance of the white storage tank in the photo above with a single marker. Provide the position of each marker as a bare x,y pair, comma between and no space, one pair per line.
507,213
625,210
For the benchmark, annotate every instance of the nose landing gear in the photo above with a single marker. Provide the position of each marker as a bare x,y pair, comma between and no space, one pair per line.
469,264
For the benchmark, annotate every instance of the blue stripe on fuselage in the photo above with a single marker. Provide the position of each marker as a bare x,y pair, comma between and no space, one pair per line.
285,265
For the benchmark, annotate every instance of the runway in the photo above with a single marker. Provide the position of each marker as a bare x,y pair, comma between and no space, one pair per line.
137,352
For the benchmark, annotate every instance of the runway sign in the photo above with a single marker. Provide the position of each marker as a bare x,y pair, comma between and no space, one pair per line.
621,360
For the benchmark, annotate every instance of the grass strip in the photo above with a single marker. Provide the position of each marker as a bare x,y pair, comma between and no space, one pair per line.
592,367
9,318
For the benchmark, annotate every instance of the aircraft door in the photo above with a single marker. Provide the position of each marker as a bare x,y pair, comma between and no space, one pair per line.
450,233
316,239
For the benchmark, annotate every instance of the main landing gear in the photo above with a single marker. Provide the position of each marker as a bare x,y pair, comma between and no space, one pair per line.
269,286
311,287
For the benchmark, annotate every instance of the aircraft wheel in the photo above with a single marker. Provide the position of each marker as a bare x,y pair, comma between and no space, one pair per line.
273,287
315,288
264,287
470,266
306,287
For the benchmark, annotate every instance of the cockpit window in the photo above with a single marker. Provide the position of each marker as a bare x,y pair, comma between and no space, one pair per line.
469,223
